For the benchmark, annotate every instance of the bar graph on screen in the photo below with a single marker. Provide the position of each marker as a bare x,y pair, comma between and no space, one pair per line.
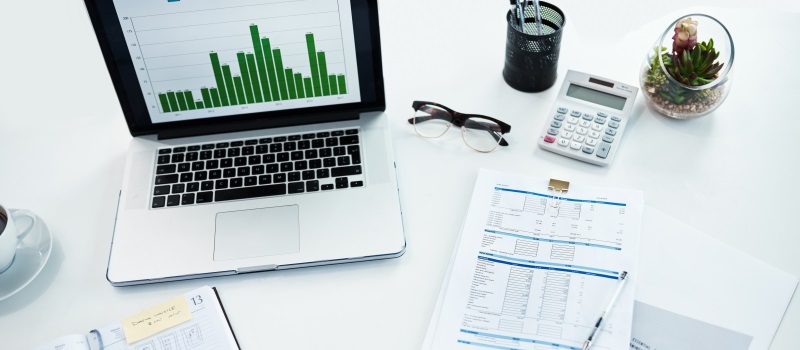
202,60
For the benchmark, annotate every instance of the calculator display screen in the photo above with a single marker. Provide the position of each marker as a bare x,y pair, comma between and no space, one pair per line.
594,96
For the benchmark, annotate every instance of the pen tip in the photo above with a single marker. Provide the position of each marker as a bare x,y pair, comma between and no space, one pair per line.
623,275
585,345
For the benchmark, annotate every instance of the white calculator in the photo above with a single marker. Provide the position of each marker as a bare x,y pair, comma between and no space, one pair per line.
588,118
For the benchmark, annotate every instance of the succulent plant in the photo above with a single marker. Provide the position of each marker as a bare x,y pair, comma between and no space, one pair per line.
690,63
696,66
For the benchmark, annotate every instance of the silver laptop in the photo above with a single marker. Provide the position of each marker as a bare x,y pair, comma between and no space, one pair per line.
260,141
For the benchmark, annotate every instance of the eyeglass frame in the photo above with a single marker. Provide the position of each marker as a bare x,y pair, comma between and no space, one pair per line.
457,119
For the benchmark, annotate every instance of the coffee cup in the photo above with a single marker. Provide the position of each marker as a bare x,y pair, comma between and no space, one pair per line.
11,235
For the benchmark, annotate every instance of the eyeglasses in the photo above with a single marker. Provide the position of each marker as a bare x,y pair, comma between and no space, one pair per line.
479,132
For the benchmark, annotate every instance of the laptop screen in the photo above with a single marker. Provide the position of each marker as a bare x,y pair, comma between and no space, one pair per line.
178,63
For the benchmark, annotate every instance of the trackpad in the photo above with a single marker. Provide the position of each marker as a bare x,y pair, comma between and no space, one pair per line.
257,232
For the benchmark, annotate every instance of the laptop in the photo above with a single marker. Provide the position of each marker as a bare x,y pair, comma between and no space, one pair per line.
259,137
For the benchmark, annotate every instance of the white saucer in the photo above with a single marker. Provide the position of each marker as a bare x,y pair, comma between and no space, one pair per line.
32,255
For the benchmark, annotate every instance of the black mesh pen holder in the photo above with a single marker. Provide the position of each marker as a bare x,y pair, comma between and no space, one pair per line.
531,58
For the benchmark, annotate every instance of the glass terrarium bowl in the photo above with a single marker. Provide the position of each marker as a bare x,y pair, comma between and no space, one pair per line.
670,97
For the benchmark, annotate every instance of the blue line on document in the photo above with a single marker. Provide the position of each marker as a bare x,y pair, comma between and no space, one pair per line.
554,240
562,198
548,268
549,263
525,340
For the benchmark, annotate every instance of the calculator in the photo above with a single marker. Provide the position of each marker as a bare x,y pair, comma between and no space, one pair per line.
588,118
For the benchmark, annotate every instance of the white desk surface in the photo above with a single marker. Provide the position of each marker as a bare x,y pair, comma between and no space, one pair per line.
731,174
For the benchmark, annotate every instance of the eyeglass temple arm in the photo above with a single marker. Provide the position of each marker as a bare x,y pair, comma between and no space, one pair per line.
496,135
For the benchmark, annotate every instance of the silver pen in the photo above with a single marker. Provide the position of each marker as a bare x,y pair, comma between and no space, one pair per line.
622,279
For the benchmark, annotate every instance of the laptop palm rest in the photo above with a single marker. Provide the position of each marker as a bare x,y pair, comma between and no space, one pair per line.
256,233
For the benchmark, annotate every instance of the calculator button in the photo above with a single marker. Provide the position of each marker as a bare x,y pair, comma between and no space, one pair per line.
615,118
585,123
559,117
594,134
566,134
572,120
597,127
607,138
587,116
582,131
575,145
556,124
613,124
588,150
611,131
569,127
579,138
575,113
600,120
591,142
563,142
562,110
601,114
549,139
603,150
552,131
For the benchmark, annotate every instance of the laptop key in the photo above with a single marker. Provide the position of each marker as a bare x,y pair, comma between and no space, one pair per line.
327,187
193,187
178,188
348,140
192,156
357,184
166,169
356,157
257,170
229,172
177,158
305,144
173,200
279,177
308,174
337,133
167,179
193,148
186,177
341,182
215,174
250,192
197,166
294,137
200,176
323,134
250,181
226,163
223,145
208,146
159,202
163,159
236,182
261,149
161,190
315,164
351,132
323,173
265,140
179,149
205,155
251,142
346,171
300,165
187,198
294,176
220,184
164,151
308,136
204,197
343,160
312,186
317,143
207,185
184,167
237,143
279,139
246,151
265,179
289,146
297,187
339,151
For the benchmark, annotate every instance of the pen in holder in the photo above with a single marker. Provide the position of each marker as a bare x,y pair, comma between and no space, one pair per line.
532,55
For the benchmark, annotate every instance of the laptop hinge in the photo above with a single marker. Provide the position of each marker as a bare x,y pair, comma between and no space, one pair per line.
273,122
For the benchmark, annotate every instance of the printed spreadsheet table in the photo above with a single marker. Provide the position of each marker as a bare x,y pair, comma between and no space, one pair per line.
535,272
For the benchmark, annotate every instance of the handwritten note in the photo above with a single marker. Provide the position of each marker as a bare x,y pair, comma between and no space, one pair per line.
149,322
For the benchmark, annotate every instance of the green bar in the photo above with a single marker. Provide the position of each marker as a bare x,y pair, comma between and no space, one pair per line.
251,65
237,83
262,68
298,83
323,73
332,84
279,70
231,91
290,84
206,97
173,101
309,87
200,105
189,99
312,59
342,85
273,80
215,97
248,86
219,78
181,101
164,102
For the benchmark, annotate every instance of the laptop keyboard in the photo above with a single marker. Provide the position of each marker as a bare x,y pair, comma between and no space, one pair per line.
252,168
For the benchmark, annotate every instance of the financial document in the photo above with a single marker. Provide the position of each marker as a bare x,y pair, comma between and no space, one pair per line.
535,271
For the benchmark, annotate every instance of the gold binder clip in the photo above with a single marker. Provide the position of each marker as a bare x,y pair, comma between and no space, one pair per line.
557,189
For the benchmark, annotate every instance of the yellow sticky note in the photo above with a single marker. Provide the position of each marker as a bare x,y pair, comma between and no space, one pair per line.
149,322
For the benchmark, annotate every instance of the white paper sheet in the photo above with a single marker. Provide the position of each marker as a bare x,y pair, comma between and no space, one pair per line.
690,274
526,275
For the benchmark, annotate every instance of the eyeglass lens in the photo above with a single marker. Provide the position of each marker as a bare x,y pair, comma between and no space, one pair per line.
479,134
